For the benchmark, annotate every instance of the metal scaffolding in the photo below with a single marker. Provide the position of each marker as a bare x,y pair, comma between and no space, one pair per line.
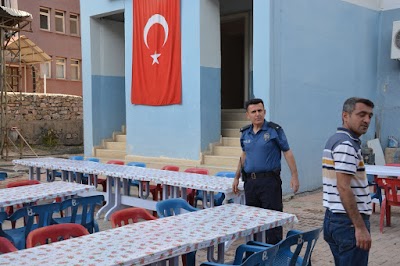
12,22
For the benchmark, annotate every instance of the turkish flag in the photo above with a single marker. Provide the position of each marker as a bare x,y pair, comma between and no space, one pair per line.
156,69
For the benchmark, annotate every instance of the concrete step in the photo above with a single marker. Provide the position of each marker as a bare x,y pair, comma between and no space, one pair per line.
227,151
223,161
231,132
113,145
109,154
240,115
120,137
234,124
227,141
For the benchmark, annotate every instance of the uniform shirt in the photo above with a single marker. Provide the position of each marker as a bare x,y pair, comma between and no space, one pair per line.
263,150
342,153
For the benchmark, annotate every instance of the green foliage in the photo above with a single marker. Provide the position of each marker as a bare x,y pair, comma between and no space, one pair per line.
50,138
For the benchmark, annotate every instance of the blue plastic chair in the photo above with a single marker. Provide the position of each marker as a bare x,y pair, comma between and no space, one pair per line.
135,183
261,256
219,197
3,176
34,217
81,211
85,177
377,194
172,207
294,241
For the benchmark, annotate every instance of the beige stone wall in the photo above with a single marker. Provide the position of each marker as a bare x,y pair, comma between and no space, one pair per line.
38,115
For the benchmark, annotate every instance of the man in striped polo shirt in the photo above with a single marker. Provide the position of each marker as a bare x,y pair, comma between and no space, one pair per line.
345,185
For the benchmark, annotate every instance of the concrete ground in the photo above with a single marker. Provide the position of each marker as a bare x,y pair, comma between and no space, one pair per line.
309,211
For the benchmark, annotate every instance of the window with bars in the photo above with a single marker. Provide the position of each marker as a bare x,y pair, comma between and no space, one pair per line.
74,24
75,69
60,68
44,18
60,21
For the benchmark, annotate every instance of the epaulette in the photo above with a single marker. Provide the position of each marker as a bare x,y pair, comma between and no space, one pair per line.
245,127
274,125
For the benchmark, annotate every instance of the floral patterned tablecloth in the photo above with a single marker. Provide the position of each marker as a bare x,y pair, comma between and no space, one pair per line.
178,179
43,191
150,241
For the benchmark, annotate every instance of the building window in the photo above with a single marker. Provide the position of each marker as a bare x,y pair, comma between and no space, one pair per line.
60,25
60,68
45,69
74,24
75,69
44,18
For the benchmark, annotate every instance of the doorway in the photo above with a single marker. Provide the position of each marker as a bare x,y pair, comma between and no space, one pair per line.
234,61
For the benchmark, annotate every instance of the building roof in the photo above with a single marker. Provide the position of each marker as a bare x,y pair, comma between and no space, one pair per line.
11,16
30,52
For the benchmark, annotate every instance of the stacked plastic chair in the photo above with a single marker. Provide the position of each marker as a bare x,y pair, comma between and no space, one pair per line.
291,247
261,256
33,216
10,209
82,212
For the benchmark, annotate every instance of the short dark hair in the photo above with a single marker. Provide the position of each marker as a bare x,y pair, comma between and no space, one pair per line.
253,101
350,104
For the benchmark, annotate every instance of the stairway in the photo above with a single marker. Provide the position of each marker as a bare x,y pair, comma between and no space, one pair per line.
223,156
226,154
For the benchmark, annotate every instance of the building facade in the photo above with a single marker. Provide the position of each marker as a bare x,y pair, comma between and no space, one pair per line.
303,58
56,30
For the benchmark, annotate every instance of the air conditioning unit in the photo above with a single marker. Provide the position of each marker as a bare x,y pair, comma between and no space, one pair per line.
395,52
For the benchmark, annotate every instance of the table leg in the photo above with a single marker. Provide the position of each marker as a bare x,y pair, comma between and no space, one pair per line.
110,200
30,173
64,175
207,204
220,253
38,173
117,197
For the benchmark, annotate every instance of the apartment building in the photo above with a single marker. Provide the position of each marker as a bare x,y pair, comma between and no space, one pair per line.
55,30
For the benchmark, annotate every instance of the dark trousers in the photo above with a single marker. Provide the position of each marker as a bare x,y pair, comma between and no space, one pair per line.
266,193
339,233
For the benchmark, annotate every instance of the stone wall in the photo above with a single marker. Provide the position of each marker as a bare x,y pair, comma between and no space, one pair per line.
46,118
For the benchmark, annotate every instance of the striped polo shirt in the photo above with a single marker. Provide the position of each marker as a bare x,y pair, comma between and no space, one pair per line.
342,153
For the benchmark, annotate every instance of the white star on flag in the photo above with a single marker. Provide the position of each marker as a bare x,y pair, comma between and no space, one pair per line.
155,57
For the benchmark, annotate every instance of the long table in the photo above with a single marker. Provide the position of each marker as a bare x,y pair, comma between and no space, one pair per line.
382,170
157,240
43,191
121,174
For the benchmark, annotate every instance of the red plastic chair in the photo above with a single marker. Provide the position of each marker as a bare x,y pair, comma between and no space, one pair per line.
391,187
123,217
103,181
10,209
191,193
156,190
54,233
6,246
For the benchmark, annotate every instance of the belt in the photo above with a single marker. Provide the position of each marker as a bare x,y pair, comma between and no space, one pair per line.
363,215
261,175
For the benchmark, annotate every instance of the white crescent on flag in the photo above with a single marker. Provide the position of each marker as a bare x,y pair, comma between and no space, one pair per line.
156,18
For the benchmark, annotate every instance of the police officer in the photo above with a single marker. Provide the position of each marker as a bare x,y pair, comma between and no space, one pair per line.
260,164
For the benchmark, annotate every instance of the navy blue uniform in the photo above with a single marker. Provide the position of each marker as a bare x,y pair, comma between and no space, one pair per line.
263,185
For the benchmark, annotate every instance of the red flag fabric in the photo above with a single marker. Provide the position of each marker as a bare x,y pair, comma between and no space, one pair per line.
156,69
